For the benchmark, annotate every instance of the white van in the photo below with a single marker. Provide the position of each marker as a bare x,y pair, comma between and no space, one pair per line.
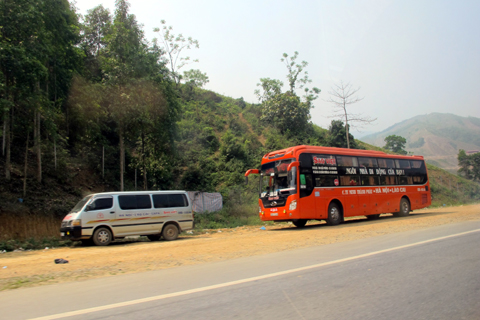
103,217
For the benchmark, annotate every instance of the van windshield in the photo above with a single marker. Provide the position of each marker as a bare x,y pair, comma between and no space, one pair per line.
79,206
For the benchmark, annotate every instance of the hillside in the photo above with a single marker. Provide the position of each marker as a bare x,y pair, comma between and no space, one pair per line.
436,136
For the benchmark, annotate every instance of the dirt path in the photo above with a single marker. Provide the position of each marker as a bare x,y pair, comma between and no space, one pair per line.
20,269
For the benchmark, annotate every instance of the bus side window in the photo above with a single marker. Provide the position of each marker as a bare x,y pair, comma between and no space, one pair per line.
369,181
349,181
388,180
306,185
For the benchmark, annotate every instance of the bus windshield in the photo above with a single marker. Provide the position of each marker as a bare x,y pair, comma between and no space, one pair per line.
275,181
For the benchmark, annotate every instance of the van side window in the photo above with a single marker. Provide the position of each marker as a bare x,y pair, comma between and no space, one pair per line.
160,200
169,200
178,200
101,204
132,202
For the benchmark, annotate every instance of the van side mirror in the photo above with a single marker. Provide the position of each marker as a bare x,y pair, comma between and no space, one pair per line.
90,207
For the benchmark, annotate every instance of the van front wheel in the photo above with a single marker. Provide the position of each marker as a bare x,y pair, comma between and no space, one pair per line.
102,237
170,232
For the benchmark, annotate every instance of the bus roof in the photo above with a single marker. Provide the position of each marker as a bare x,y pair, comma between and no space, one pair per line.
296,150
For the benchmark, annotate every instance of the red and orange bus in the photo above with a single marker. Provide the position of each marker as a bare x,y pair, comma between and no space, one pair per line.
322,183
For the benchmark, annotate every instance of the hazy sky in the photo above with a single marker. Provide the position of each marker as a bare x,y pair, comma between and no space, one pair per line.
407,57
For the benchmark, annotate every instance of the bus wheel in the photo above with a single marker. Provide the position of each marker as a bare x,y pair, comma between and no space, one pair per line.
334,214
404,208
170,232
299,223
102,237
373,216
153,237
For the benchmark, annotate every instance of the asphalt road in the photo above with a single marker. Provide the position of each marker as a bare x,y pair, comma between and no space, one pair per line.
423,274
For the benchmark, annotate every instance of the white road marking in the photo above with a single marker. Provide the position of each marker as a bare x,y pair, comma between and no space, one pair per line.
236,282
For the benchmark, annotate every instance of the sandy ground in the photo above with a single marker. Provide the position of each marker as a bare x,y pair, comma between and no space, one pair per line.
21,269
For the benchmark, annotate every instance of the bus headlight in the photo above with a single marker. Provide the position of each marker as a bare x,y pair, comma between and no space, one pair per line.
293,205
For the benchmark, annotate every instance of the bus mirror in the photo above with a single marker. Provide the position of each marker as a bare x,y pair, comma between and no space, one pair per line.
293,164
251,171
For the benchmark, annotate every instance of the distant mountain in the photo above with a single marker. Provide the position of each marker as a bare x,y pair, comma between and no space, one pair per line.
436,136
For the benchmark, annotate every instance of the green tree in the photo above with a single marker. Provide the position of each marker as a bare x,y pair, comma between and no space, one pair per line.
464,162
97,25
337,136
396,144
286,111
475,160
195,77
38,59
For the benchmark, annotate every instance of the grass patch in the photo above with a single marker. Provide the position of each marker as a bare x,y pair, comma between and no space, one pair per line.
19,282
33,243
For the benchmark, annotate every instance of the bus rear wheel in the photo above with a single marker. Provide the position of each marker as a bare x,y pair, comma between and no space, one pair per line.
299,223
334,214
404,208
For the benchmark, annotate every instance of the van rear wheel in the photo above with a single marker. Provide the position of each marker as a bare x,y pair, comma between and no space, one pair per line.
170,232
102,237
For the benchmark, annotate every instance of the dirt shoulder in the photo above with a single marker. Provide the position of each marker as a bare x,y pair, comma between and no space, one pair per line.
20,269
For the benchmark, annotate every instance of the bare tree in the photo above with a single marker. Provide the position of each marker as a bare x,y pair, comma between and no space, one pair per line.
173,46
341,96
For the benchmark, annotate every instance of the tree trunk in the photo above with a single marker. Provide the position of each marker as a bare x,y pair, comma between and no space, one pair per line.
55,152
7,146
346,125
3,136
122,157
25,167
143,163
38,149
103,162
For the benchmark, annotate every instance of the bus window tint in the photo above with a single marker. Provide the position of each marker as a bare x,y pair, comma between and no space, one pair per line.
388,180
386,163
416,164
349,181
405,180
325,181
368,162
344,161
419,179
402,164
369,180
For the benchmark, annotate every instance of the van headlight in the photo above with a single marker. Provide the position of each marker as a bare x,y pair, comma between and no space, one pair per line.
75,223
293,205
